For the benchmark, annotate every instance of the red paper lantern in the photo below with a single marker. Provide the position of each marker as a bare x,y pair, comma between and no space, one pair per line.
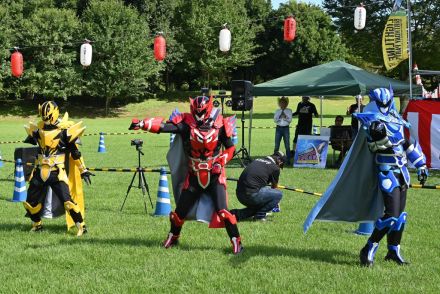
289,29
160,48
17,64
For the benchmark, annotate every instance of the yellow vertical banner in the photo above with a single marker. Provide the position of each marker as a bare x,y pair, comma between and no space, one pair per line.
395,40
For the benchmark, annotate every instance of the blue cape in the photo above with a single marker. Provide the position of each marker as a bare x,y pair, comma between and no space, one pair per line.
354,194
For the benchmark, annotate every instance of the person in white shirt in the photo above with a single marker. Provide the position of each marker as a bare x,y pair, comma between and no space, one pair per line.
282,118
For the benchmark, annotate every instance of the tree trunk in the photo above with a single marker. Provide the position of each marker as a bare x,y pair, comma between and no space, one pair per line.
107,105
208,86
27,96
167,80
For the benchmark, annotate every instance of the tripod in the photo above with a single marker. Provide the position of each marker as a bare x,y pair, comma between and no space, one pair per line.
244,152
142,181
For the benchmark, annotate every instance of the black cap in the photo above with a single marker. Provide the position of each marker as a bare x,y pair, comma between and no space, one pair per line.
280,156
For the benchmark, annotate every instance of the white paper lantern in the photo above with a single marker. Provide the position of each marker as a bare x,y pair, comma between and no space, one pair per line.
360,16
86,54
225,40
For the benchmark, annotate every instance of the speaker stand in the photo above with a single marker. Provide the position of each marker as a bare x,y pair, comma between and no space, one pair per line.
244,158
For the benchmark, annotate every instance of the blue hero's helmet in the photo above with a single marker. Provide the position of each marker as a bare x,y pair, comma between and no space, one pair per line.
383,98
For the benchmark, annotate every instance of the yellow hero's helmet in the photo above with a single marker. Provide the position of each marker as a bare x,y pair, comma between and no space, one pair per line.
49,112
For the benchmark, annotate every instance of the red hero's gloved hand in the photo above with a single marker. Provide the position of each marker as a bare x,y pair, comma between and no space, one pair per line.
216,169
136,124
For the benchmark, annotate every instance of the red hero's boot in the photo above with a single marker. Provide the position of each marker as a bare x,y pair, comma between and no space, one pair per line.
232,229
237,248
171,240
174,234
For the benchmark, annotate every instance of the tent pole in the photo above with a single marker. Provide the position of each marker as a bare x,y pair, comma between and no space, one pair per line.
320,111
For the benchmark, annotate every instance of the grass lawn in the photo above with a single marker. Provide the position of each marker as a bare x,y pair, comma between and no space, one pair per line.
122,252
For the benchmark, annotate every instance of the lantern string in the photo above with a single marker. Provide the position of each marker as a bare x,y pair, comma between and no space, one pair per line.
362,4
15,48
152,35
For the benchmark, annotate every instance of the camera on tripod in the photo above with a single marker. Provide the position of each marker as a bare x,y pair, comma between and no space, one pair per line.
137,142
140,173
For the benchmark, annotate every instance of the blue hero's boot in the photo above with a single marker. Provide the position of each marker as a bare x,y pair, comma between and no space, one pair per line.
367,253
394,255
394,238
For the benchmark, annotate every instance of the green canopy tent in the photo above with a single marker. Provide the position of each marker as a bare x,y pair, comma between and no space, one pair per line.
336,78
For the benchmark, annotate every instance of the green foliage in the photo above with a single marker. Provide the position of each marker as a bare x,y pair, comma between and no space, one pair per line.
316,41
7,40
159,15
123,60
51,69
123,49
366,45
199,25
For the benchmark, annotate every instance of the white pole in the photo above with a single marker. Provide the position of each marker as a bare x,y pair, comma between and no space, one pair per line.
320,110
410,61
250,130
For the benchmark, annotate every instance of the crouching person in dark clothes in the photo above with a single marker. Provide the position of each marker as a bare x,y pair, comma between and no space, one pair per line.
252,190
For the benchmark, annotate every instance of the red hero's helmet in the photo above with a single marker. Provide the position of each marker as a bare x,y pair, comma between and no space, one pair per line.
201,108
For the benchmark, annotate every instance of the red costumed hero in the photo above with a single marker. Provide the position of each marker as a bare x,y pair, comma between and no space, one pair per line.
203,132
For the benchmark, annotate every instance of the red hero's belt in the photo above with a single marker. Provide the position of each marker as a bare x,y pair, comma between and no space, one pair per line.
202,169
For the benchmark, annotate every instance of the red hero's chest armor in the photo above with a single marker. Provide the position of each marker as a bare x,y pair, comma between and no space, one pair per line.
203,143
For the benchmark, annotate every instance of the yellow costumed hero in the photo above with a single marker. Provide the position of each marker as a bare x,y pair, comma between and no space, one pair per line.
57,139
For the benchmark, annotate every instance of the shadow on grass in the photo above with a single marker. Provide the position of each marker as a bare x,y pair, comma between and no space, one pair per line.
331,256
100,242
26,108
84,106
6,198
49,228
132,242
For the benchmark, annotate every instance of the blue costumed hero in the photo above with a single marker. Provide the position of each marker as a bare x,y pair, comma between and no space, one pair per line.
377,191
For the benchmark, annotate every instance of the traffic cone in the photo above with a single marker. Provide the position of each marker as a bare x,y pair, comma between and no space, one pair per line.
20,193
163,203
365,228
101,147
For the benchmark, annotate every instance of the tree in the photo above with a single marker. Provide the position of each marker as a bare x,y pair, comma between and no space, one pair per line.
51,36
366,45
316,41
7,40
258,12
159,15
13,13
199,23
123,58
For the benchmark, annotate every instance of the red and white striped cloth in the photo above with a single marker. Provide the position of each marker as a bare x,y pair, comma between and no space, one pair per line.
424,117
